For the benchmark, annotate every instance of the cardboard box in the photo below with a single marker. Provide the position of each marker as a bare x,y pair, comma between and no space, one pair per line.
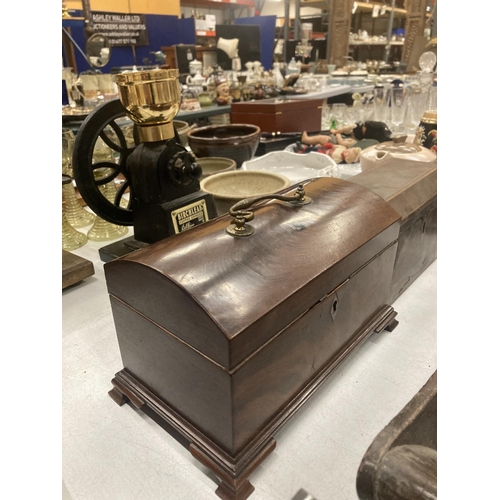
200,25
211,21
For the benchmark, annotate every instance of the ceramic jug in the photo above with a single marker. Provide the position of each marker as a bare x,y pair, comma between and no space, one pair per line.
195,66
205,99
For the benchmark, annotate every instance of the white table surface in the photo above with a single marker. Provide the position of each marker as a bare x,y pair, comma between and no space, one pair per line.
332,91
116,453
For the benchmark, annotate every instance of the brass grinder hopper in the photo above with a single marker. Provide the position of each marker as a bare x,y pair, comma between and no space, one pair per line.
152,100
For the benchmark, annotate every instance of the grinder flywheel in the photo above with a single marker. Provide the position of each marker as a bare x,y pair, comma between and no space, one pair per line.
103,123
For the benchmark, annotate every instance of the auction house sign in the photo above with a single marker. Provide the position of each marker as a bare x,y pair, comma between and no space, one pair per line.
121,29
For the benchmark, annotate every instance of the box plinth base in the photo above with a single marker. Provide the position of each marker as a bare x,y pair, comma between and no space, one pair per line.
234,471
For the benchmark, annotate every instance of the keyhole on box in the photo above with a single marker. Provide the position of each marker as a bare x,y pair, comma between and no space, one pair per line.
333,309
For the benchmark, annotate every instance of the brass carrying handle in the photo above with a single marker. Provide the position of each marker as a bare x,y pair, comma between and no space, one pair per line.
242,216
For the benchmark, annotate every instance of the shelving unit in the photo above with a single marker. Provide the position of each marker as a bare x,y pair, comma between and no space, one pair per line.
231,10
368,7
383,24
205,33
231,6
393,15
376,43
219,4
362,6
316,4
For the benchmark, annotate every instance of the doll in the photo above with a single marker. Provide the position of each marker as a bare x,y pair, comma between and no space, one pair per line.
341,152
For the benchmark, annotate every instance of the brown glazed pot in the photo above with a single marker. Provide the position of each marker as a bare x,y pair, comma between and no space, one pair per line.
236,141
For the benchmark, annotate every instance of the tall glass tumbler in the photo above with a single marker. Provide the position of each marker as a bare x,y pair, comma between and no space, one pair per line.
380,104
398,98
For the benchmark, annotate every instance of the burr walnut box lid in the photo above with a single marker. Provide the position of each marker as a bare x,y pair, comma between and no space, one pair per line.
279,115
226,296
276,105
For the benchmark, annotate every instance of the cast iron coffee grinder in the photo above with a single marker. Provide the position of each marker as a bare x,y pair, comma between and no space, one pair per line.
160,176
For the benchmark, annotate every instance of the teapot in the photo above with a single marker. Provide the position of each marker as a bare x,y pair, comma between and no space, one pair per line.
397,151
197,79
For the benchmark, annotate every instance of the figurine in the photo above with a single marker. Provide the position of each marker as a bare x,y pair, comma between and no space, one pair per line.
357,100
259,92
346,149
342,152
235,91
223,92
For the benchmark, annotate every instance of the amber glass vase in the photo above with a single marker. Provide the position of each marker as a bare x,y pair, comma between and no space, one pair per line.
102,230
76,215
71,238
68,141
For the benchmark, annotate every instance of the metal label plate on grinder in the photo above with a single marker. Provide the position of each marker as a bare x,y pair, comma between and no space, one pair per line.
189,216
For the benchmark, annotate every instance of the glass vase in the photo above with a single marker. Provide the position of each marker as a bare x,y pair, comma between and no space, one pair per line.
76,215
71,238
68,141
102,230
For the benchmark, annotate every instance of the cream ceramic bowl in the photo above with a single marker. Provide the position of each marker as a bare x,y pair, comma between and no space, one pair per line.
228,188
182,129
215,165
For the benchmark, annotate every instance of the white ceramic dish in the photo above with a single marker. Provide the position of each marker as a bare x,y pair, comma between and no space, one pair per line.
296,167
345,170
348,170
